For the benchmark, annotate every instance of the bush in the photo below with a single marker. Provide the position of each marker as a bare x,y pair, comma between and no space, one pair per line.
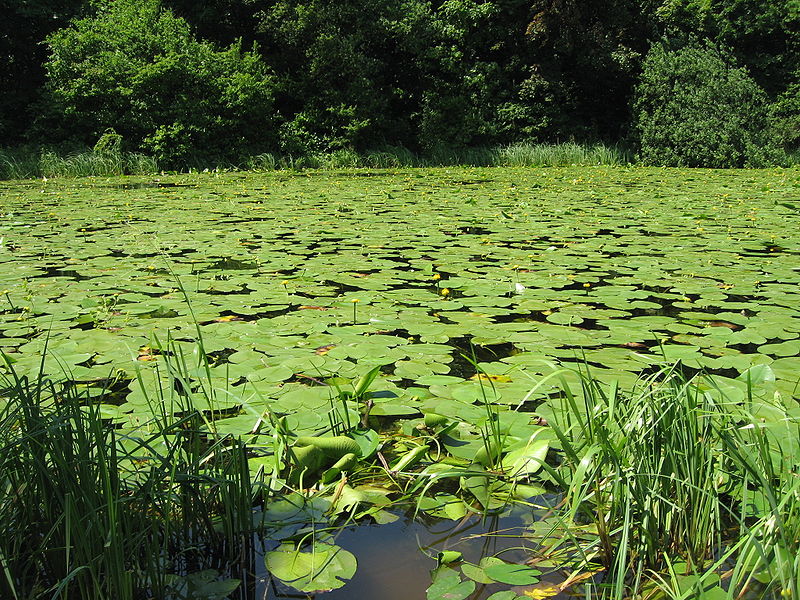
694,108
137,68
786,116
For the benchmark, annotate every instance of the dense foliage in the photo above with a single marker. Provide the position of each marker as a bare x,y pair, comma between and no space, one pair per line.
694,108
138,69
216,82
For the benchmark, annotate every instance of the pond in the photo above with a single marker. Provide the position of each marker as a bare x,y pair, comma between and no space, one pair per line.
301,276
396,326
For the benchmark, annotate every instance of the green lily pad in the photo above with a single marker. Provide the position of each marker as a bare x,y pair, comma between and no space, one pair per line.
478,572
447,585
322,567
528,459
506,595
513,574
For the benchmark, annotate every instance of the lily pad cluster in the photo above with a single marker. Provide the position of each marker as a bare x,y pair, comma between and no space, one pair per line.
292,277
413,325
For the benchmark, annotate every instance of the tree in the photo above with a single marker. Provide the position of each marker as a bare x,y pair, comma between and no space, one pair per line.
471,69
136,68
582,61
362,73
223,22
26,23
786,116
763,35
329,60
695,108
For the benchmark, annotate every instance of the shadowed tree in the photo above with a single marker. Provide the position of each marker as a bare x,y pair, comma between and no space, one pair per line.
25,25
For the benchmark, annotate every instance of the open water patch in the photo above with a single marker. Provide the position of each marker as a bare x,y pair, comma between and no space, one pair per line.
395,560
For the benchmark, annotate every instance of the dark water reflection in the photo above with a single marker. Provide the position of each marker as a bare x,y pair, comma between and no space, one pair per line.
395,559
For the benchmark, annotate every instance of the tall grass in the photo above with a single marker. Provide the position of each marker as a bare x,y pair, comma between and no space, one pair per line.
262,162
26,164
111,161
793,158
391,157
560,155
766,453
689,491
97,164
20,164
637,471
90,511
466,157
516,155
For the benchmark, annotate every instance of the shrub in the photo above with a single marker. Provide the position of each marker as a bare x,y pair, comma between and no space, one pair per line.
694,108
786,117
137,68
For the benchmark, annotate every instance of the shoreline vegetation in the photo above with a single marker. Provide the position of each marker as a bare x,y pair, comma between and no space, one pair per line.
171,508
296,84
22,164
97,162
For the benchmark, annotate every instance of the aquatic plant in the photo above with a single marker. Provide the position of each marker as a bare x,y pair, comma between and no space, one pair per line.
446,388
91,511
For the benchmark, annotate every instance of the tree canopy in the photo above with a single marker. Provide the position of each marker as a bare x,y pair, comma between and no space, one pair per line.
219,80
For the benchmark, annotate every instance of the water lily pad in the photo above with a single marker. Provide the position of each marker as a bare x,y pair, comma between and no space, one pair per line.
507,595
443,506
319,568
512,574
447,585
528,459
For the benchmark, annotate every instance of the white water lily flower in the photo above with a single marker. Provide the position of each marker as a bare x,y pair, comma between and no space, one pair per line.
519,288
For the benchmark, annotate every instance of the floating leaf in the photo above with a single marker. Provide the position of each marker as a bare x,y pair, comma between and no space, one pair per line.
204,585
527,460
322,567
448,556
513,574
447,585
477,572
505,595
368,441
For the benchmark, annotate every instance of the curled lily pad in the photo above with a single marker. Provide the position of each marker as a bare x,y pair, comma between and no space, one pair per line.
528,459
447,557
367,440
